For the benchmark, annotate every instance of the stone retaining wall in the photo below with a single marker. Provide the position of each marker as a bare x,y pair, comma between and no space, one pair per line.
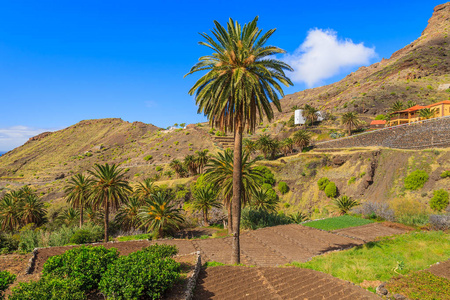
427,134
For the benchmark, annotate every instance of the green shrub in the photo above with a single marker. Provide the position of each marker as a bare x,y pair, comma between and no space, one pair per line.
351,180
445,174
148,157
49,288
6,279
267,175
220,133
8,243
283,187
143,274
322,183
162,250
158,168
85,263
440,200
415,180
84,236
344,204
331,190
254,219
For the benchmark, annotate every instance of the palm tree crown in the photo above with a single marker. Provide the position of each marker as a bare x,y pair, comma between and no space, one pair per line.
350,120
77,193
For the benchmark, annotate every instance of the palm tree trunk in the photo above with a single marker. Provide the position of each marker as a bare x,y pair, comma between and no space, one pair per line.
236,200
81,216
230,219
205,217
106,220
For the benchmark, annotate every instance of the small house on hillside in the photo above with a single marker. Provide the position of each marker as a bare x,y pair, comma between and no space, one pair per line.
412,114
376,124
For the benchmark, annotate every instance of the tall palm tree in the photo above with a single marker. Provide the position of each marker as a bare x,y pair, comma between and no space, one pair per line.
350,120
287,145
220,174
262,200
32,210
9,217
301,138
205,198
202,159
426,113
191,164
77,193
242,79
109,190
310,113
144,189
160,213
127,216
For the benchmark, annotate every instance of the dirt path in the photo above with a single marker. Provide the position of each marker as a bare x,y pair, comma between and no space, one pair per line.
442,269
227,282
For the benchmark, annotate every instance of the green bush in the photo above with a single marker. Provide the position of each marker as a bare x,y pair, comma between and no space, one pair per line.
415,180
267,175
49,288
331,190
162,250
8,243
254,219
322,183
148,157
445,174
6,279
220,133
440,200
351,180
283,187
86,263
147,273
158,168
84,236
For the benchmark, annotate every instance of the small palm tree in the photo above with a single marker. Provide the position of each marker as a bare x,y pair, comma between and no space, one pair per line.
94,216
410,103
128,214
268,146
298,217
344,203
287,145
26,191
350,120
249,146
295,107
77,193
202,159
397,106
191,164
32,210
262,200
178,167
9,217
69,216
144,189
109,190
426,113
310,113
159,213
205,198
301,139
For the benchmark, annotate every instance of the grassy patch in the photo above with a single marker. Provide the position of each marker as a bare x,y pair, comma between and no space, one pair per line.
144,236
377,260
338,223
420,285
213,264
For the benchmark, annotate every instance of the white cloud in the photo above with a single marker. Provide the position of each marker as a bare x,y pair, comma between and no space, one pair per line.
322,55
15,136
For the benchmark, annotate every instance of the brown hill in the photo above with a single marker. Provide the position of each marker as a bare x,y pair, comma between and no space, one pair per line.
418,72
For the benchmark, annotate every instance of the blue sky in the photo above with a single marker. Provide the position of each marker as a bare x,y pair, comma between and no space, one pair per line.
65,61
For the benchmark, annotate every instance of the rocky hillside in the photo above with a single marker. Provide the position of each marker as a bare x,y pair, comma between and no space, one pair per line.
419,72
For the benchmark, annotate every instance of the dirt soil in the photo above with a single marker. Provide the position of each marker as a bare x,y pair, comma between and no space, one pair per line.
442,269
230,282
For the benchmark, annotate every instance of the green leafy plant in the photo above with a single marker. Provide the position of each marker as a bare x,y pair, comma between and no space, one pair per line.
254,219
146,273
322,183
351,180
6,279
415,180
49,288
86,264
440,200
298,217
148,157
344,203
445,174
283,187
331,190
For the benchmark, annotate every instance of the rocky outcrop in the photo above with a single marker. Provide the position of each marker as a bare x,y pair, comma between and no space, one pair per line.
40,136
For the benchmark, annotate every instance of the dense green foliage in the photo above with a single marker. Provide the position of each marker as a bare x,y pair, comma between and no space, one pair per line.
344,203
377,260
338,223
6,279
86,263
49,288
146,273
440,200
254,219
267,175
331,190
415,180
322,183
283,187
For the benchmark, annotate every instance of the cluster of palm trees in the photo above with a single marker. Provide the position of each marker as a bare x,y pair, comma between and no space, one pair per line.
191,165
106,190
272,147
21,207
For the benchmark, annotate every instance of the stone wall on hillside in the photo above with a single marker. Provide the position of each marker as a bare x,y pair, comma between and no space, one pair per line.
425,134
